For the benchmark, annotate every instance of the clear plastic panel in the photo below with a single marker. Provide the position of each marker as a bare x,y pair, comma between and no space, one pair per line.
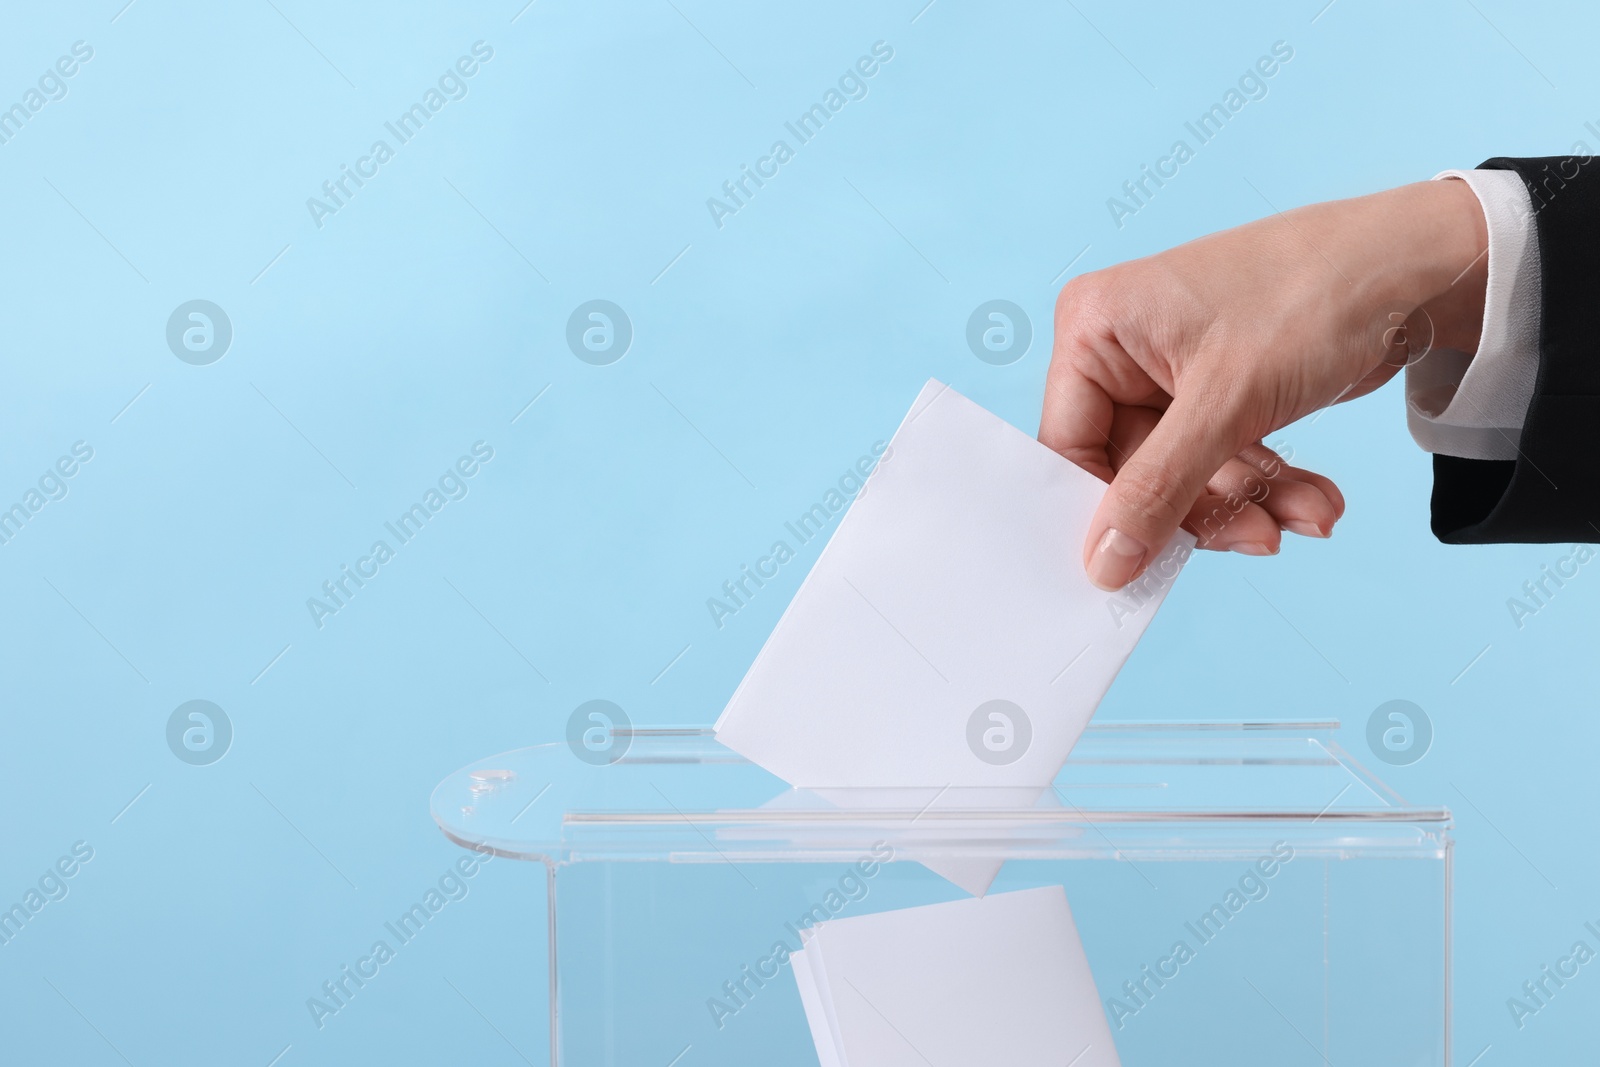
677,872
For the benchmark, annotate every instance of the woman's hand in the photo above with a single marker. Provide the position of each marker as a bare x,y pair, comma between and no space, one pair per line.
1168,371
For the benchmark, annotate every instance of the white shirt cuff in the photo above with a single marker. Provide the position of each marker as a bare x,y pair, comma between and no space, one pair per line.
1472,405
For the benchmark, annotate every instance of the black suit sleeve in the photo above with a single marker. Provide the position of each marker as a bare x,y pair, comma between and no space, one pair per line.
1551,491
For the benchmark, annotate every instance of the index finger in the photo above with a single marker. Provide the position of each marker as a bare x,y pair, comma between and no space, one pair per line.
1076,421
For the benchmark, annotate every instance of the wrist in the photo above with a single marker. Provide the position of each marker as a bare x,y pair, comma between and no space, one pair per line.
1446,244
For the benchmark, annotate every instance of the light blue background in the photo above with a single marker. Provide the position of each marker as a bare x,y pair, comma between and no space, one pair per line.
766,358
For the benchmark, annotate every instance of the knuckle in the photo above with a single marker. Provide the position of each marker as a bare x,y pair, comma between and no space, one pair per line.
1153,497
1083,303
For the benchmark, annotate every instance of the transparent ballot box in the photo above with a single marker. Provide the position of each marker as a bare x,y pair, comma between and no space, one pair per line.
1245,892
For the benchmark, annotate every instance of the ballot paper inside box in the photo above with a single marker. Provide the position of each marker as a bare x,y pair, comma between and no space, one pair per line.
1243,892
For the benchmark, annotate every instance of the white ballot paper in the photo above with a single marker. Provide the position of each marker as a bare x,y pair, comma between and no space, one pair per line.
947,638
971,983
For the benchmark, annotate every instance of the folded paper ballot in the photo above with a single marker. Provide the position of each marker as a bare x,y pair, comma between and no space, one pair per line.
969,983
947,639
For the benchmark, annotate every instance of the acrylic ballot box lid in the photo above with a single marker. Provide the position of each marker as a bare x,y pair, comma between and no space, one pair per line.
1133,790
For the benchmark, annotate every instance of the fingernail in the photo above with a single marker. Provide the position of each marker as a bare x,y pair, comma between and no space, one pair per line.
1304,528
1251,548
1115,561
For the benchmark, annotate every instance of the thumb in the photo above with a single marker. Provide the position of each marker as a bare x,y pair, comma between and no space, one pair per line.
1154,490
